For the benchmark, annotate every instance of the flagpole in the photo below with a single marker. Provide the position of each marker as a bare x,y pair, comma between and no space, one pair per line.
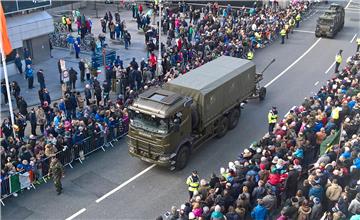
7,87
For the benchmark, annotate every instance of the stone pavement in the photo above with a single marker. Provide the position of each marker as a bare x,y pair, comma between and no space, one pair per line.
137,50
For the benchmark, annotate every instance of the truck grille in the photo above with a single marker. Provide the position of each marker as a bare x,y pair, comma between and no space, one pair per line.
145,147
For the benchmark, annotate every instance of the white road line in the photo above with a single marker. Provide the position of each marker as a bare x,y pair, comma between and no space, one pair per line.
292,108
304,31
353,38
348,4
125,183
76,214
326,72
291,65
317,82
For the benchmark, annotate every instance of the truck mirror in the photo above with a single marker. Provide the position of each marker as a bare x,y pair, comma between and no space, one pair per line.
176,124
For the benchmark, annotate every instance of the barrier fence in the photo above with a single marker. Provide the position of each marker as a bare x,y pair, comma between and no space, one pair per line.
39,173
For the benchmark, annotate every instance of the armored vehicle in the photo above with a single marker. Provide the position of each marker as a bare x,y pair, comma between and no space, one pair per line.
331,22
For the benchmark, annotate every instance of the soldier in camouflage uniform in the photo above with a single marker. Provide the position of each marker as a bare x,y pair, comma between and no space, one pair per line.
56,173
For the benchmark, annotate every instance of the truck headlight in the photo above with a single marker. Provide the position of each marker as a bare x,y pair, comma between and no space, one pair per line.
164,157
131,149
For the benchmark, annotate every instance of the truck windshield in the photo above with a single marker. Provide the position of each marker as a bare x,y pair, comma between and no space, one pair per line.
148,123
325,21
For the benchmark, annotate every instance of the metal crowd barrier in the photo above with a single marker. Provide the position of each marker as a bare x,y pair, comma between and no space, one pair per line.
40,171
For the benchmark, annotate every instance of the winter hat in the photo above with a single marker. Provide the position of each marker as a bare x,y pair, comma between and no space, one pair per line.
217,208
205,209
296,162
247,153
262,166
258,150
275,159
191,215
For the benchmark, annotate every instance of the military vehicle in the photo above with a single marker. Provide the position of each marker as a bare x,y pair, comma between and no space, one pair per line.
331,22
168,123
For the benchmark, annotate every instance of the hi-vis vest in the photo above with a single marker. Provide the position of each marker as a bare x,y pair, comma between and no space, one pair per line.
292,22
272,118
298,17
283,32
335,113
63,20
338,58
250,55
358,41
193,185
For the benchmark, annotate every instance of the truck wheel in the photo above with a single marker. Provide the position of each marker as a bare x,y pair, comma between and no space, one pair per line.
222,127
182,157
262,93
234,118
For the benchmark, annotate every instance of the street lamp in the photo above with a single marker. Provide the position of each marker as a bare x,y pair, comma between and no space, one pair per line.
159,60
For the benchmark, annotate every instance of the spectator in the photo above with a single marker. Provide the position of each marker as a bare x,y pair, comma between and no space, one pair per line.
72,77
41,79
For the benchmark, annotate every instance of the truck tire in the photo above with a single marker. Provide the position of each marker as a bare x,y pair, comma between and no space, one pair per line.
262,93
182,157
222,127
234,118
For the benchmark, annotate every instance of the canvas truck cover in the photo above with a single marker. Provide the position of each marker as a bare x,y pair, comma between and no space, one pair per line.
217,85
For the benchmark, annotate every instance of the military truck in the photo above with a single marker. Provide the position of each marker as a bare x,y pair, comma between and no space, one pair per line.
331,22
168,123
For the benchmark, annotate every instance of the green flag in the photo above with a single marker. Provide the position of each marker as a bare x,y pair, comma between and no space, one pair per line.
14,183
329,142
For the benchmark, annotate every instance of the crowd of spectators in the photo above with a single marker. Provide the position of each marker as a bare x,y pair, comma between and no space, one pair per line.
196,36
291,173
63,124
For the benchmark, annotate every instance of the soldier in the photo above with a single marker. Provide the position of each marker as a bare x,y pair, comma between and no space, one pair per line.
56,172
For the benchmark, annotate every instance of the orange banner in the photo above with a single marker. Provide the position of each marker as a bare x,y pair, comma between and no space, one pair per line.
4,35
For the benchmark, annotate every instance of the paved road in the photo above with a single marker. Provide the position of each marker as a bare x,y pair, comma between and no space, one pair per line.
153,192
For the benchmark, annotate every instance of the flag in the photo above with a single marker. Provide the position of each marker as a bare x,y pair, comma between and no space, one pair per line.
24,180
4,35
14,183
329,142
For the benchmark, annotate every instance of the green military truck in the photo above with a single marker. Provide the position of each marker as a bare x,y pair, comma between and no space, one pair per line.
331,22
168,123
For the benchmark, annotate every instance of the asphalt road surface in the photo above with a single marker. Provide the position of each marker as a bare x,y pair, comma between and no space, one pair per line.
113,185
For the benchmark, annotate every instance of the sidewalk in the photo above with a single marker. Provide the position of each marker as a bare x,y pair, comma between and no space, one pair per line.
137,50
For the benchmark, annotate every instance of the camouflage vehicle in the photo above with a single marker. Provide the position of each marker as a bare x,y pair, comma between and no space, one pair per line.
331,22
168,123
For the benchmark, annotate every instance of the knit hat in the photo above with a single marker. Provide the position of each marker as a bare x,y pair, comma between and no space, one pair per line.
217,208
191,215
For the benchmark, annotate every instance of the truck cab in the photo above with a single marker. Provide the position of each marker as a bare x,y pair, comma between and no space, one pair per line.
160,122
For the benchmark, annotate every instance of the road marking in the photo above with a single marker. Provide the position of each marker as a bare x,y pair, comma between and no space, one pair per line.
292,108
125,183
348,4
291,65
76,214
317,82
353,38
326,72
304,31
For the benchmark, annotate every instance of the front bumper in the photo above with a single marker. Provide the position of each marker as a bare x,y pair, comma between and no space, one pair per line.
163,163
